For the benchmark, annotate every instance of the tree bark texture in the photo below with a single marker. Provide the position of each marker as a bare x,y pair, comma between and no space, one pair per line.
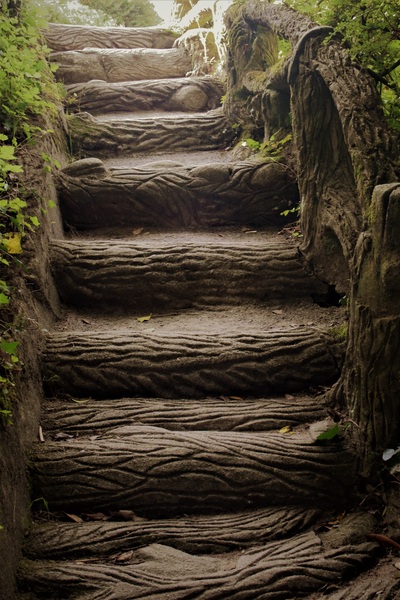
162,276
277,570
61,37
173,195
156,472
179,94
344,150
114,64
119,136
220,414
123,363
195,534
371,378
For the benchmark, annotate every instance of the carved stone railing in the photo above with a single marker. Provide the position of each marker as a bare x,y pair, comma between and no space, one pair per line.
345,152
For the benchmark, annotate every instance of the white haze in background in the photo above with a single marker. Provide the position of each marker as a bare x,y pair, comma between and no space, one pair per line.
164,9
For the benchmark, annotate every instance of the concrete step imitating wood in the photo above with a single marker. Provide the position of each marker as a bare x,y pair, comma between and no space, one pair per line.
180,94
212,414
225,355
105,135
196,534
156,472
168,194
61,37
276,570
150,273
114,64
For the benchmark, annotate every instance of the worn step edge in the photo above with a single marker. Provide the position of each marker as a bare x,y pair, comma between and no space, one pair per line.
97,137
115,65
156,472
178,94
219,414
182,364
196,535
60,36
272,572
100,274
170,194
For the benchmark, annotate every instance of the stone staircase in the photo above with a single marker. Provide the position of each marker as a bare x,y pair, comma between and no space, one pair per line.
181,457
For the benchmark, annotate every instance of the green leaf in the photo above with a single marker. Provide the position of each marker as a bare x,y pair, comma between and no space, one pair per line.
4,299
35,221
330,433
9,347
52,204
3,138
7,152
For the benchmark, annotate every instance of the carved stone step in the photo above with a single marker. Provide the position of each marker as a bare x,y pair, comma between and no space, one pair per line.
112,136
77,37
222,356
181,94
170,195
219,414
271,572
155,275
112,65
196,534
156,472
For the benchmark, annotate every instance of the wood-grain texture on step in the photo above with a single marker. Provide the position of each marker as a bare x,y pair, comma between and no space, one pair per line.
60,36
172,195
115,137
180,94
113,65
157,472
220,414
196,534
134,274
278,570
181,364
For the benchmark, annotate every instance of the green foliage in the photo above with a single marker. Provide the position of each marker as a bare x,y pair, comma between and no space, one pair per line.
370,29
137,13
27,92
273,148
75,13
27,87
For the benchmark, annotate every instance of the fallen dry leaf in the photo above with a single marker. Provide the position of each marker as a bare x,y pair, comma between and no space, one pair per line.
137,231
96,516
73,518
124,557
286,429
143,319
235,398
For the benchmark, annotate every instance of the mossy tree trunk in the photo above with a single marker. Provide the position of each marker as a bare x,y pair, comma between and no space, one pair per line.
344,150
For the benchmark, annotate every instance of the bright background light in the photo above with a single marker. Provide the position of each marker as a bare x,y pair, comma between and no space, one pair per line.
164,9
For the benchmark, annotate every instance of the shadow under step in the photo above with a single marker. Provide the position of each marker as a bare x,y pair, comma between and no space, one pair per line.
106,135
61,37
169,194
221,355
148,273
187,94
156,472
73,418
276,570
113,65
